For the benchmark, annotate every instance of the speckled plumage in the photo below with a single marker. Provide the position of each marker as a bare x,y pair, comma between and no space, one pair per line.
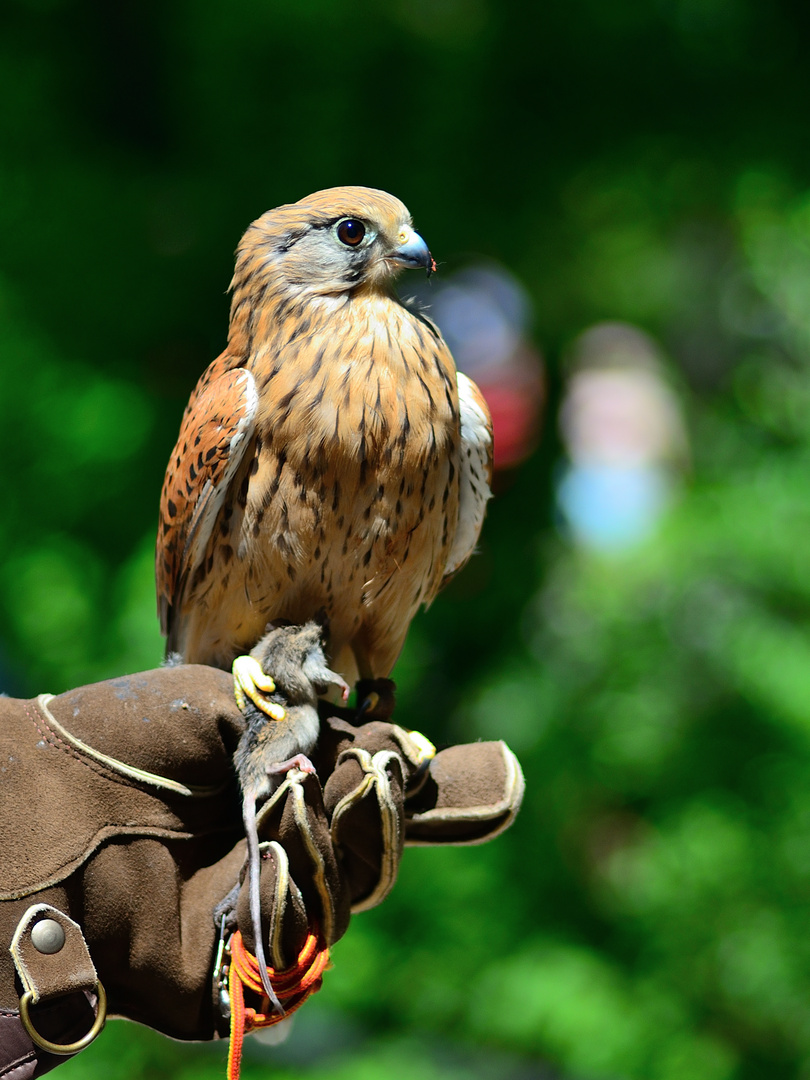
325,461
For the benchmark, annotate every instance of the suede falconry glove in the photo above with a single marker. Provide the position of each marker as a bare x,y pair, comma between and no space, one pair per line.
122,838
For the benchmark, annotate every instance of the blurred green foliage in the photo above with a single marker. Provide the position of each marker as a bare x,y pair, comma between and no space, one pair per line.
647,916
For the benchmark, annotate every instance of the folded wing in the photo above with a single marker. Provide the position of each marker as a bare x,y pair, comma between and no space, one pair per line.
475,472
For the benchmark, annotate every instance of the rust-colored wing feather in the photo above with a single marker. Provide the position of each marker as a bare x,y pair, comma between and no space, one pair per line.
216,430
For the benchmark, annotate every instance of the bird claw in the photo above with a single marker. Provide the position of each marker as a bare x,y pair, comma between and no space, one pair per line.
425,749
249,681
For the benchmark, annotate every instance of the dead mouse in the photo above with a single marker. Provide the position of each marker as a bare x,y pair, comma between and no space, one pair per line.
293,657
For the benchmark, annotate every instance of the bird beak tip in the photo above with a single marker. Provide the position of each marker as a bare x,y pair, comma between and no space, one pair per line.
413,252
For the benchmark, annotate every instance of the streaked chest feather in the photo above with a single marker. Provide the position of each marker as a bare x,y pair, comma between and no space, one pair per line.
368,382
355,456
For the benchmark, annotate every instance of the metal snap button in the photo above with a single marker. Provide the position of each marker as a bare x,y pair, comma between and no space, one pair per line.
47,936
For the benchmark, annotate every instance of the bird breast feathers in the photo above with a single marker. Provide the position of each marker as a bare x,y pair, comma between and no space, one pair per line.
370,374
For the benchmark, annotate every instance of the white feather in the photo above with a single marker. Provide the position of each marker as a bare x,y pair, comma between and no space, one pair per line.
475,461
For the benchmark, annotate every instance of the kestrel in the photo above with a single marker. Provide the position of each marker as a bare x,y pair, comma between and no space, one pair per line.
331,461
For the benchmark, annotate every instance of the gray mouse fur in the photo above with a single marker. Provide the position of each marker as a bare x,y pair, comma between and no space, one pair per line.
293,657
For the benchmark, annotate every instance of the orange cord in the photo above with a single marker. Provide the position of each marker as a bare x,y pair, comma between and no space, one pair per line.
292,986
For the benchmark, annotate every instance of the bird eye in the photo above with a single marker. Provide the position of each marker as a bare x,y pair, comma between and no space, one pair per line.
350,232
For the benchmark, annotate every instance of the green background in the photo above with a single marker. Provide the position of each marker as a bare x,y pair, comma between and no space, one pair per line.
648,914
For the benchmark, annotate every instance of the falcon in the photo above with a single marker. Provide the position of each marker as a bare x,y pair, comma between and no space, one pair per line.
331,462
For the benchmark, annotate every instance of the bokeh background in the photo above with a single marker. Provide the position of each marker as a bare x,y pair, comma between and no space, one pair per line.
629,184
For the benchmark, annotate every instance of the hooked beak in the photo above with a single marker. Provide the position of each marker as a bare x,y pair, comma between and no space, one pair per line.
412,251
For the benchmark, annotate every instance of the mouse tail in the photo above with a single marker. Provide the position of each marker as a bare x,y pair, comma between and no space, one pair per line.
254,886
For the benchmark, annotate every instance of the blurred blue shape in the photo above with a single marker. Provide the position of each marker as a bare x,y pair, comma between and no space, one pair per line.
610,507
624,436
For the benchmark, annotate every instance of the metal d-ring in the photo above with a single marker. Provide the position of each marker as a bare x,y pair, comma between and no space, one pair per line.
63,1049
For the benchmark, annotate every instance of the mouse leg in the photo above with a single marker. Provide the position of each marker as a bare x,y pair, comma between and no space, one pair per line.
322,677
300,761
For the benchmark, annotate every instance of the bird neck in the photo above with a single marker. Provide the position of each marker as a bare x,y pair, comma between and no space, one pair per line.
266,311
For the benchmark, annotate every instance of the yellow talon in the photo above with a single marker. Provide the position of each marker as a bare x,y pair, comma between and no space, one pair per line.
426,749
249,681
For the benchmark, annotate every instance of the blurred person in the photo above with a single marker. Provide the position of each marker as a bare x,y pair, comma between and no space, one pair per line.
484,313
624,436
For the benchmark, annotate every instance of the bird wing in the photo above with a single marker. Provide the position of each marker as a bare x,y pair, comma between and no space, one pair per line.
216,430
475,473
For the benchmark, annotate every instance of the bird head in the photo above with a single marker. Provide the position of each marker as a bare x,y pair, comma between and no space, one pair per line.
337,241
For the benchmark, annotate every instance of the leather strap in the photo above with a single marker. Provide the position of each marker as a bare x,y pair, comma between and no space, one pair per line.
55,969
55,960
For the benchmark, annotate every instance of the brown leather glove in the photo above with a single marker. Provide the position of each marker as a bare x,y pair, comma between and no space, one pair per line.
122,834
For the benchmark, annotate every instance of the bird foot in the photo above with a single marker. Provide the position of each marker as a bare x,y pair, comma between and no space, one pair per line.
375,699
425,749
249,681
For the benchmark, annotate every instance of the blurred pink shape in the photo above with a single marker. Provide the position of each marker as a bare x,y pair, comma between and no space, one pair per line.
483,313
624,435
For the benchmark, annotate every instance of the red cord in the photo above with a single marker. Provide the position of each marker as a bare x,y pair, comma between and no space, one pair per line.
292,986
